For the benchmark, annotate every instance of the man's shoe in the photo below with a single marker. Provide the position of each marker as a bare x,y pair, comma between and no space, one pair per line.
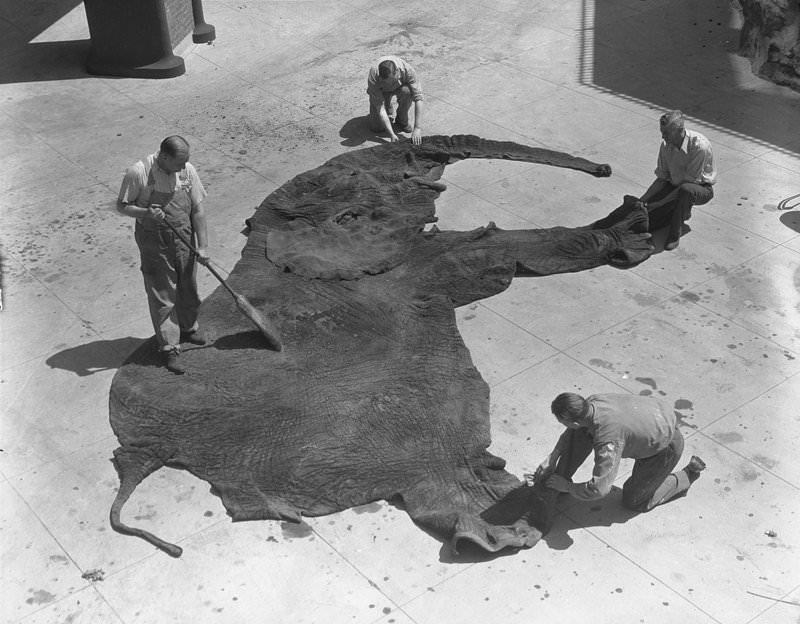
696,464
671,244
694,468
195,337
172,363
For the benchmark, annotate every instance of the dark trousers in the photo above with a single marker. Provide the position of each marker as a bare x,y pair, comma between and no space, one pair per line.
651,482
169,270
675,212
402,97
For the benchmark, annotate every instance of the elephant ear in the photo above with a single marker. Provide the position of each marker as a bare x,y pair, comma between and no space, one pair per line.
356,241
460,266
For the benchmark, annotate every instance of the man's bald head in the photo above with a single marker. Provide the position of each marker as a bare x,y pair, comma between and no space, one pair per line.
174,145
173,154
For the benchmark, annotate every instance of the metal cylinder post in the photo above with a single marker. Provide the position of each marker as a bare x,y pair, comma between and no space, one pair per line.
203,33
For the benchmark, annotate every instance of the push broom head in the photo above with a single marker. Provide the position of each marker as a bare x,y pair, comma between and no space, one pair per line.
270,335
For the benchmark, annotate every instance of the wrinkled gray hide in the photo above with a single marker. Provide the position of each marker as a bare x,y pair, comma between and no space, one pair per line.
374,395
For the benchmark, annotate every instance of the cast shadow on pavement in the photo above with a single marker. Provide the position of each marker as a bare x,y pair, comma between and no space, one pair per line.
356,131
791,220
601,513
24,60
684,54
576,516
102,355
95,357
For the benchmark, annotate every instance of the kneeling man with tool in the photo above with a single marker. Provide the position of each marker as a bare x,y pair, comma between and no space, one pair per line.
616,426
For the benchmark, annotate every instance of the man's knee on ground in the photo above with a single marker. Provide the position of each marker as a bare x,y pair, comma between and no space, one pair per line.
636,502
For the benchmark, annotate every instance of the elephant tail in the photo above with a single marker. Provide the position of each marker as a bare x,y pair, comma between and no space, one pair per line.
134,464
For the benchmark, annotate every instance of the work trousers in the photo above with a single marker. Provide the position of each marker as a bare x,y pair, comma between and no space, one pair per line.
650,483
674,213
398,101
170,280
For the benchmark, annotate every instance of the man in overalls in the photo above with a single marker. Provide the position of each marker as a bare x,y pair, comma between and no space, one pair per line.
165,186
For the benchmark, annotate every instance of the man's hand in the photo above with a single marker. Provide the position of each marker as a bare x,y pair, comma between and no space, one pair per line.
156,212
416,136
557,482
544,470
394,138
202,256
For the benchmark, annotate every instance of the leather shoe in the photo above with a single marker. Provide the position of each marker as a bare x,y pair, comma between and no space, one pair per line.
694,468
172,363
195,337
696,464
671,244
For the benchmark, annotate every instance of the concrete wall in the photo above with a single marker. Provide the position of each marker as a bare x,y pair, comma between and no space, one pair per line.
179,19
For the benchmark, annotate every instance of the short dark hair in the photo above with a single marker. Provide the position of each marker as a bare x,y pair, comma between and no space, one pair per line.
386,68
173,145
570,407
672,119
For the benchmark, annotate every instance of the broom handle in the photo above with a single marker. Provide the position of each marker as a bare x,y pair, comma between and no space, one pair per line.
194,250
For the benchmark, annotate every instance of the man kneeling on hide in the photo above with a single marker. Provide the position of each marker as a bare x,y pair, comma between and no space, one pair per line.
617,426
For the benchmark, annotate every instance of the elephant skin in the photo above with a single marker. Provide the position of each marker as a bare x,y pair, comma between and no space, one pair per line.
373,395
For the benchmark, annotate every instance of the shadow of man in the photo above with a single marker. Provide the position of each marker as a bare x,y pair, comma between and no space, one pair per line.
791,220
25,58
583,515
95,357
356,131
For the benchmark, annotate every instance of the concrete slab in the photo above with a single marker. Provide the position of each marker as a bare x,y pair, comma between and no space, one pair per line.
729,541
171,503
269,564
680,350
499,348
537,305
761,295
30,313
83,605
781,609
79,415
724,248
507,588
36,570
765,442
373,533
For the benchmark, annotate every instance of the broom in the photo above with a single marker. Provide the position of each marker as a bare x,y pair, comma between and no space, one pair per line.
245,307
